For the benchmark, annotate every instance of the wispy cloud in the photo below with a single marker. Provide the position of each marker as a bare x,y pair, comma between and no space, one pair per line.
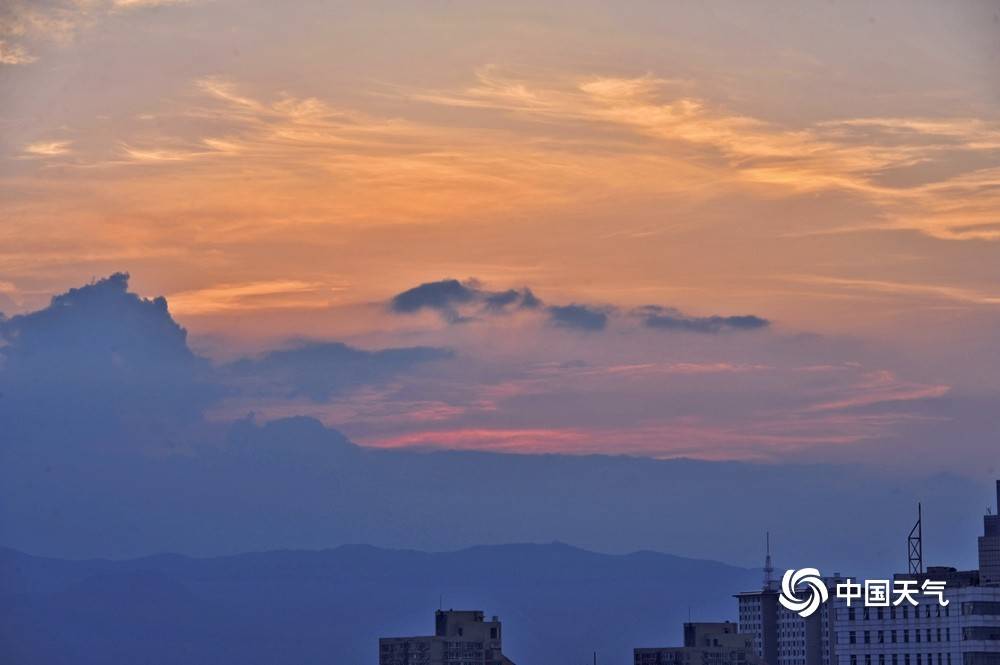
892,288
48,148
844,155
12,54
271,294
57,21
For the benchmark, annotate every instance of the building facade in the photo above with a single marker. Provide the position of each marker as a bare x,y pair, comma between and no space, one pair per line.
704,644
461,637
782,637
965,632
989,547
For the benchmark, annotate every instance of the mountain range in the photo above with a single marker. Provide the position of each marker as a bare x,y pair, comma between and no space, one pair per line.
558,603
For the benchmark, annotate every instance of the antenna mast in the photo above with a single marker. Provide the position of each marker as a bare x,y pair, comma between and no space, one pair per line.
915,545
768,566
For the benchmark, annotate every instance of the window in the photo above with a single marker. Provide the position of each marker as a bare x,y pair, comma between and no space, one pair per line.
947,634
906,612
892,636
881,637
868,637
906,636
938,634
852,637
850,614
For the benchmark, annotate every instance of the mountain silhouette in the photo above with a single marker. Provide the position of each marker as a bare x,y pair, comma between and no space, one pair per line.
558,603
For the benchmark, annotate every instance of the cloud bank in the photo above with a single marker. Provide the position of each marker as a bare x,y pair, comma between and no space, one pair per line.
462,302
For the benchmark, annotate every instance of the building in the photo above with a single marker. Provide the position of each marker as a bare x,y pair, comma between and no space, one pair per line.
965,632
780,636
704,644
461,637
989,547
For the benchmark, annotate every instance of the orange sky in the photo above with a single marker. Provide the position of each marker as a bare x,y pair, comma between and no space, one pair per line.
280,172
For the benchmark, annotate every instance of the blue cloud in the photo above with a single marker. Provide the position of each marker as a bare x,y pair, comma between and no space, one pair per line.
97,356
668,318
319,370
447,296
580,317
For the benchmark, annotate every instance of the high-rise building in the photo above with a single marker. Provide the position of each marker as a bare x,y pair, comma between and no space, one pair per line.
704,644
461,637
965,632
780,636
989,546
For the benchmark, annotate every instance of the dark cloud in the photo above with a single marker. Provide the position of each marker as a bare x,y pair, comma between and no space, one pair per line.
459,302
580,317
97,356
447,297
667,318
319,370
442,296
294,439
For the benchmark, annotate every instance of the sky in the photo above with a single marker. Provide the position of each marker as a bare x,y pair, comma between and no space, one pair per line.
765,232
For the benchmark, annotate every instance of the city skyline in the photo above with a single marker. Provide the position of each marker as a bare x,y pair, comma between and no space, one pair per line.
316,316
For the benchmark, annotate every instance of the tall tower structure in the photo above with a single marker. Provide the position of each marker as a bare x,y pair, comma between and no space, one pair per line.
769,583
915,544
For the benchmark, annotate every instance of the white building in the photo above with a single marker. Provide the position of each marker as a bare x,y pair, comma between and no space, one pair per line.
782,637
965,632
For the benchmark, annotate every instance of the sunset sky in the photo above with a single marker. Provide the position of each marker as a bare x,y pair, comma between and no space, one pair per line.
733,230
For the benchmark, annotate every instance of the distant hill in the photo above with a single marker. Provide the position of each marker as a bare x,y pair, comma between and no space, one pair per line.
558,604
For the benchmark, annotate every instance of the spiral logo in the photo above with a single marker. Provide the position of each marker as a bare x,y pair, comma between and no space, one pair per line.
808,577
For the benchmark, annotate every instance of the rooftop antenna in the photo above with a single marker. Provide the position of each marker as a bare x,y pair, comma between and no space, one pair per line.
768,566
915,545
